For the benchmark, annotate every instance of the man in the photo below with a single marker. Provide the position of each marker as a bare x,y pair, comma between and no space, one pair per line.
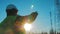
13,23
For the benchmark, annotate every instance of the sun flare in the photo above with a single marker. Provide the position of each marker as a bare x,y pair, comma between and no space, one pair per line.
27,27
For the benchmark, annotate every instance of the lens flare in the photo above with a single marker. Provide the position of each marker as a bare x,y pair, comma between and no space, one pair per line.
27,27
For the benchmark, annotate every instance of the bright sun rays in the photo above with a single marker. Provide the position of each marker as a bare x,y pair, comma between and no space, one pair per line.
27,27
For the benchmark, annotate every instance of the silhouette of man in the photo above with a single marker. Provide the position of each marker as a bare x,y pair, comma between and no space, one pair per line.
13,23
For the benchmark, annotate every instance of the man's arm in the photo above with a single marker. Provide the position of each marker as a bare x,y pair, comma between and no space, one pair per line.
30,18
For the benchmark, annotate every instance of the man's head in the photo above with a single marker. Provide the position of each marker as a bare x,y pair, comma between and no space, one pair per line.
11,10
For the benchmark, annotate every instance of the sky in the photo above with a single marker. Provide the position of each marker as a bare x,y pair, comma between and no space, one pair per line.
26,7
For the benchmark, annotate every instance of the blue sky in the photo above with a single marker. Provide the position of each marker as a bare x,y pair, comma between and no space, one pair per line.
43,7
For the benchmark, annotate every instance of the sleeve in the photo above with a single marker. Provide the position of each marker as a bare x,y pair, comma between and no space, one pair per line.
30,18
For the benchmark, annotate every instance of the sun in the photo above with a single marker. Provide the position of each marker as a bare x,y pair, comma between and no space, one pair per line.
32,6
27,27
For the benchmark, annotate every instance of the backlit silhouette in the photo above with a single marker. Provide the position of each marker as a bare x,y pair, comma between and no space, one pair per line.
13,23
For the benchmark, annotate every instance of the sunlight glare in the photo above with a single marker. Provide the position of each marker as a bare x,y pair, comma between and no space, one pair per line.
27,27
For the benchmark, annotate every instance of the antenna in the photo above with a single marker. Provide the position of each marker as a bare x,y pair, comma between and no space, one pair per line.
51,20
51,31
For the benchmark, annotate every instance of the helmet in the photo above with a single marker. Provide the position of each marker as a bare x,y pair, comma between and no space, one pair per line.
11,9
11,6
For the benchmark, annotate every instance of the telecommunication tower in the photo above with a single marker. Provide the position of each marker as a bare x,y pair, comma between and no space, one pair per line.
57,15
